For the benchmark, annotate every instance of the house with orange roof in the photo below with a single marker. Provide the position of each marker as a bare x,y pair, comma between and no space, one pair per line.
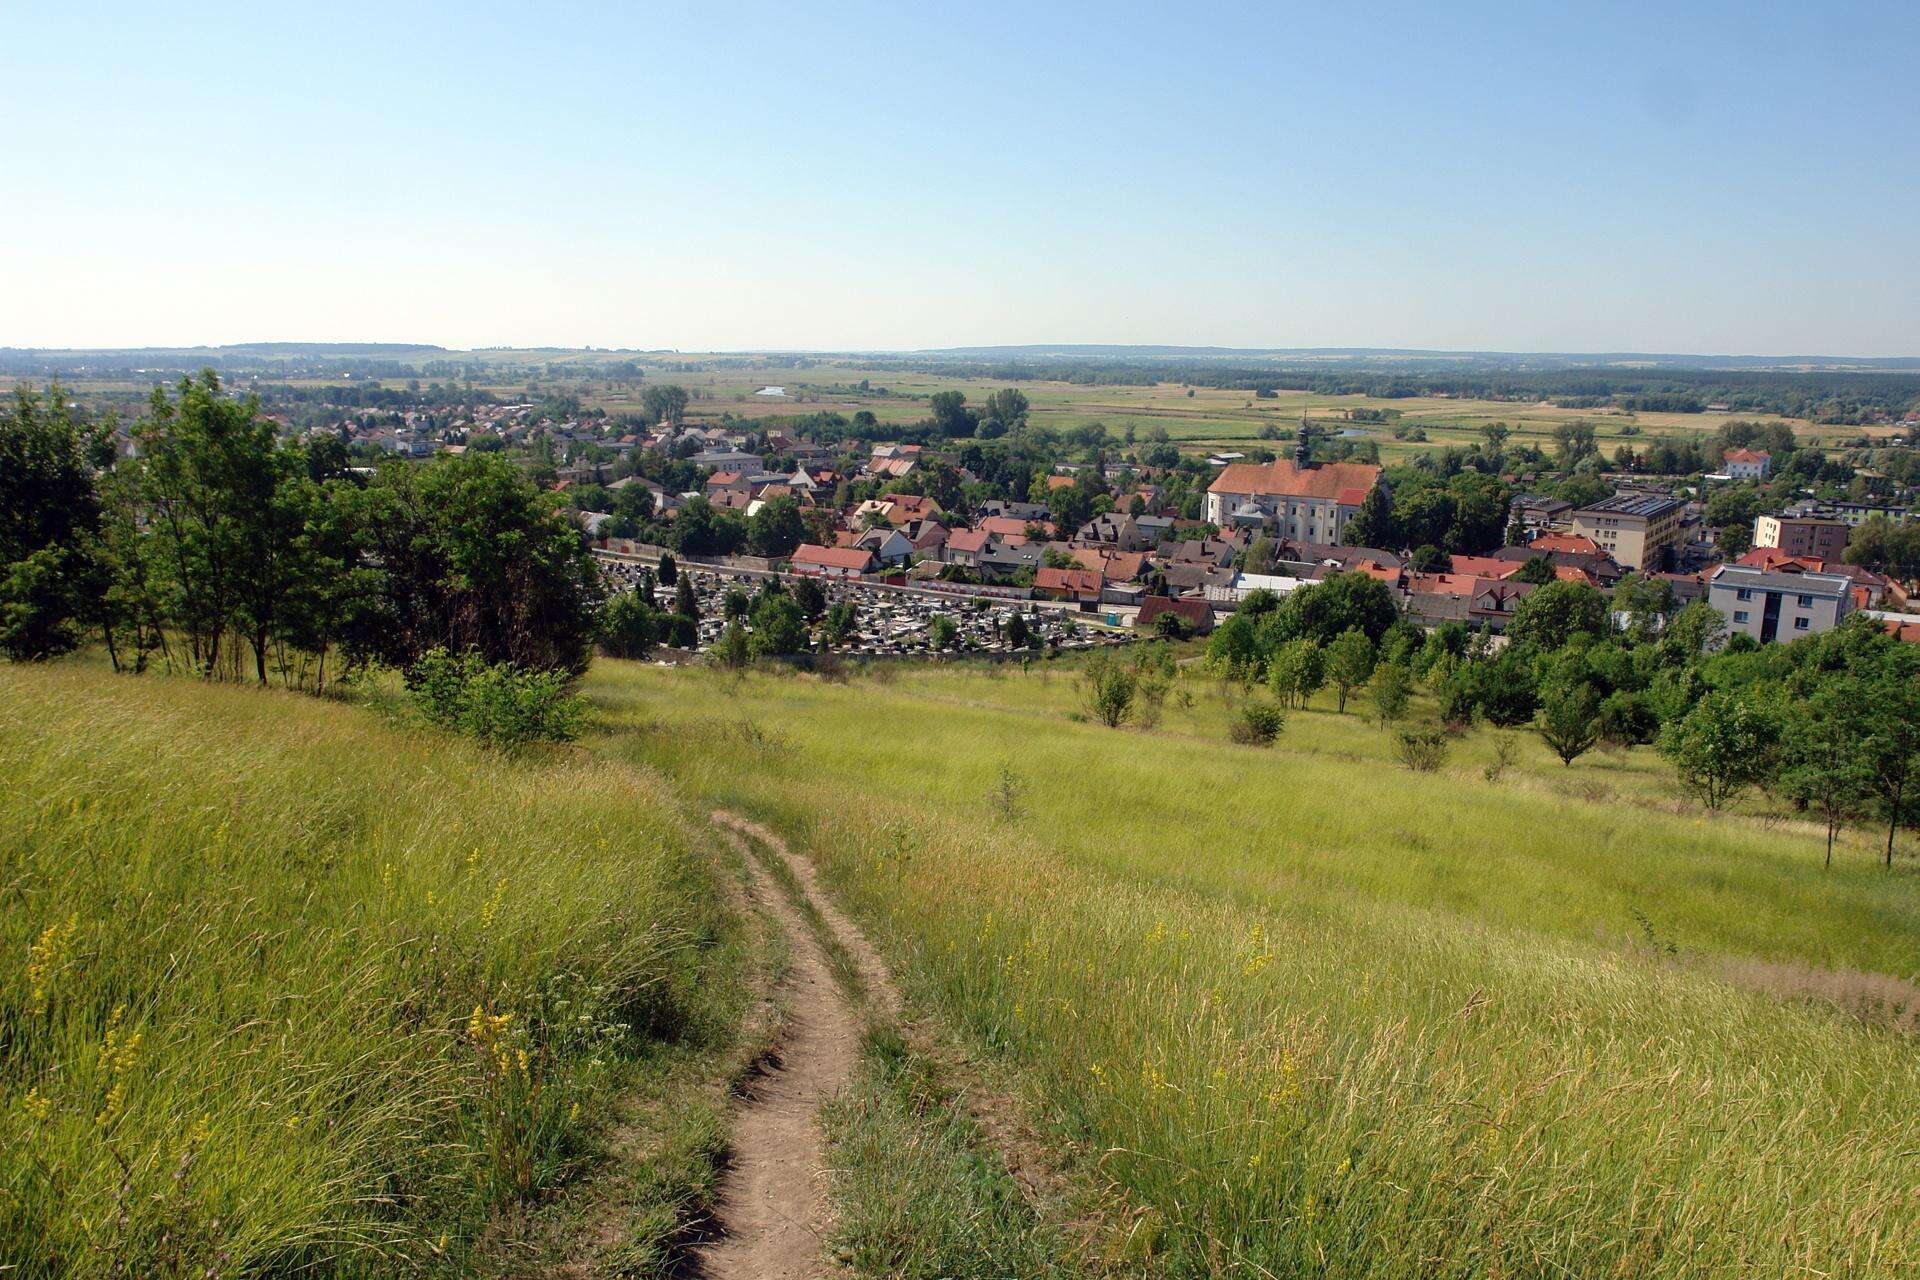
831,562
1748,464
1083,585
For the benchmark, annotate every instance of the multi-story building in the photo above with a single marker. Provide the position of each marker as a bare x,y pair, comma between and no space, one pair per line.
1851,514
1638,530
1539,514
1818,538
1301,500
1748,464
1773,606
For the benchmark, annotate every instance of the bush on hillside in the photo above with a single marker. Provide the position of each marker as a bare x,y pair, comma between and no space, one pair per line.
496,704
1258,724
1423,750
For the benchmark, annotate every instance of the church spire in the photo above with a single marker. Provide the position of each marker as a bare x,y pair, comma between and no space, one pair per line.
1303,444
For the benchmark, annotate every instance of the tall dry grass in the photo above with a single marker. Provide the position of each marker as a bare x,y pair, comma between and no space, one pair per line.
285,990
1314,1015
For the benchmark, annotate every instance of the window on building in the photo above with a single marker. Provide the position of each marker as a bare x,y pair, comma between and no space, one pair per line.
1806,602
1799,624
1739,615
1743,594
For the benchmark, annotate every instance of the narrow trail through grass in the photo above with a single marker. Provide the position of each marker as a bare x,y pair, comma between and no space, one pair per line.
771,1209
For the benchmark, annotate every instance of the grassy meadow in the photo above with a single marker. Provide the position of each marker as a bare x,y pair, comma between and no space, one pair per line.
290,989
1308,1013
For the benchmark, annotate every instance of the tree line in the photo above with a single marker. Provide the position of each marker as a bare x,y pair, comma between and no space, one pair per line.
219,549
1828,725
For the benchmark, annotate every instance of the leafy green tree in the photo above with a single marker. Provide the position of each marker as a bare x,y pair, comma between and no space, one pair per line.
941,632
1723,746
839,623
1017,631
629,626
1323,611
1374,525
1295,671
686,602
779,627
1570,721
1350,663
1538,571
1390,691
735,604
50,519
1549,617
667,403
1825,749
731,649
1233,650
1008,407
950,414
811,599
1506,690
776,528
669,569
1645,601
1691,633
464,553
1890,742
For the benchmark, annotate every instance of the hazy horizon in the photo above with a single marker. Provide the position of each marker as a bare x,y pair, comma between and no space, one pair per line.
1623,179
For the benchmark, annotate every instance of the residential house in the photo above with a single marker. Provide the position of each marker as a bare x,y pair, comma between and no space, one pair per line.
1197,614
1748,464
1115,530
831,562
1082,585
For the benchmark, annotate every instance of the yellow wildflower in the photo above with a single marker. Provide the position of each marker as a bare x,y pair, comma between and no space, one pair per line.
48,956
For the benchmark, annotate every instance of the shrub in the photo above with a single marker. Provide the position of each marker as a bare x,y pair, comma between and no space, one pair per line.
1505,752
496,704
1107,690
1259,723
1423,750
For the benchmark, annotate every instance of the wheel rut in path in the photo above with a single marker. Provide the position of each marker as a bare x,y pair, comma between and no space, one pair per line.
772,1214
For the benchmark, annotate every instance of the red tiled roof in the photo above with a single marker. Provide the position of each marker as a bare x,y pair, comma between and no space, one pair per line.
1005,526
1447,584
967,539
1576,543
1192,608
1077,581
1747,455
808,554
1483,566
1345,482
1059,482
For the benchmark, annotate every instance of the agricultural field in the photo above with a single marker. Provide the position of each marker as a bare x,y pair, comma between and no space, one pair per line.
1207,420
289,988
1300,1011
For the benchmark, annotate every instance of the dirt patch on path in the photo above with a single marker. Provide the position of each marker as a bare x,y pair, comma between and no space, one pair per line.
772,1212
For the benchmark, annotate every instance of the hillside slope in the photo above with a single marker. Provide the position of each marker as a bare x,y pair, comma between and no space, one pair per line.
1312,1014
285,989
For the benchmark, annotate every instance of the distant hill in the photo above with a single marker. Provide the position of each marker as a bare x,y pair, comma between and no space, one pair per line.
1385,356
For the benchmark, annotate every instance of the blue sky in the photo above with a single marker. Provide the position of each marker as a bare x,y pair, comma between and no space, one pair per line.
1685,177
